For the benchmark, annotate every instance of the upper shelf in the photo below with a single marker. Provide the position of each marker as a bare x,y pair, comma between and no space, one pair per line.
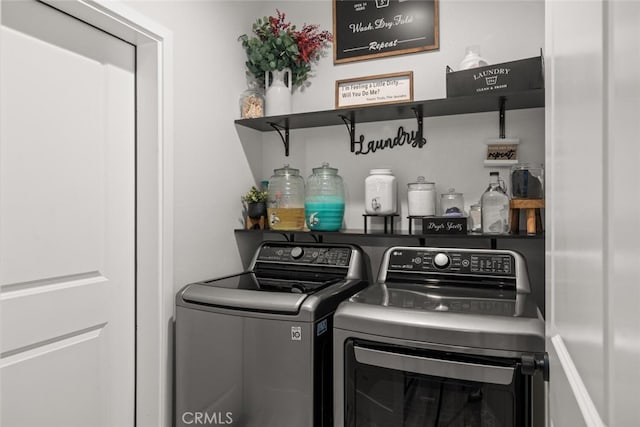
430,108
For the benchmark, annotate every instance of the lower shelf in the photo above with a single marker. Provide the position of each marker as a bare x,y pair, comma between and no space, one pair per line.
318,236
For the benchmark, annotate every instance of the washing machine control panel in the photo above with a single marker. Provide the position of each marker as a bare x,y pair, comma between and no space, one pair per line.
316,255
493,263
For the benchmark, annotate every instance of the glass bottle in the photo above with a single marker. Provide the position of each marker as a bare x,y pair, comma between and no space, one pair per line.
324,200
495,207
285,207
472,58
252,101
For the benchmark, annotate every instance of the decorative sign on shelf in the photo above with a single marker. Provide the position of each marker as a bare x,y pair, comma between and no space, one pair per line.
444,225
375,90
502,151
402,138
378,28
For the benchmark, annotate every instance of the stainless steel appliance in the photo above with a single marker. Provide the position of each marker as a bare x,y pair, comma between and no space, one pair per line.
255,349
447,337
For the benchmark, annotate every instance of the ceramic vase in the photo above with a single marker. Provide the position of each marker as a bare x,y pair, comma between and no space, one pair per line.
278,92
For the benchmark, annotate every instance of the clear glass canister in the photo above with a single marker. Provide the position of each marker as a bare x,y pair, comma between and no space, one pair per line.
452,203
421,197
324,200
286,199
380,192
252,102
527,181
475,218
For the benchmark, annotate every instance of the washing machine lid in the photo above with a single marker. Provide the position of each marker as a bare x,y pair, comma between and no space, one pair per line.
250,292
236,293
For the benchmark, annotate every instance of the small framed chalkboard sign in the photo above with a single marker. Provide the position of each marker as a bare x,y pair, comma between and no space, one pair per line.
378,28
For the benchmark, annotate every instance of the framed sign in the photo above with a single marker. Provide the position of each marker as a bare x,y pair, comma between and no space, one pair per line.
377,28
502,151
375,90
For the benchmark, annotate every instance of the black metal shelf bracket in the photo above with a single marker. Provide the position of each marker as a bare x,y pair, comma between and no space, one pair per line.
350,123
419,117
284,138
502,117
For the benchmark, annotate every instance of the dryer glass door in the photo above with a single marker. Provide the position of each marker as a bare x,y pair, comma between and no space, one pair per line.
392,386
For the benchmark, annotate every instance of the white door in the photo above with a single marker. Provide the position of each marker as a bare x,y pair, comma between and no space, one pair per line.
593,211
67,221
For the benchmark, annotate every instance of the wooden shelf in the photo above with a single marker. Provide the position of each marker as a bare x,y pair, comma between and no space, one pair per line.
429,108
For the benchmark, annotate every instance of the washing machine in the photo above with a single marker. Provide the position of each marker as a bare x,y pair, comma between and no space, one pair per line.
255,349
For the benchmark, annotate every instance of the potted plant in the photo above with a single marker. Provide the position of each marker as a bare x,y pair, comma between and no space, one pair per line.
277,45
256,201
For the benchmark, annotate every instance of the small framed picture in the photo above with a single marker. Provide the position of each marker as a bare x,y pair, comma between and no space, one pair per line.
375,90
502,151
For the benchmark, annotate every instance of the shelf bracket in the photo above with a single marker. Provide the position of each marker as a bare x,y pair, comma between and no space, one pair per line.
350,122
284,138
502,117
419,117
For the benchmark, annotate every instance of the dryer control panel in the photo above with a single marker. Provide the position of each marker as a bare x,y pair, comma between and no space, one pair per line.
490,263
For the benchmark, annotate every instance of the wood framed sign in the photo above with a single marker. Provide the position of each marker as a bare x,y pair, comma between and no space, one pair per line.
378,28
375,90
502,151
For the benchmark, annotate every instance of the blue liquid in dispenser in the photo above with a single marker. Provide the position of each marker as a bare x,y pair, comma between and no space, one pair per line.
324,213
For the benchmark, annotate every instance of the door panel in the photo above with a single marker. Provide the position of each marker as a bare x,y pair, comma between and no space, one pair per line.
593,102
67,206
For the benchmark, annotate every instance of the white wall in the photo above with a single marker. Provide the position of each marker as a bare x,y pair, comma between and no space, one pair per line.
211,168
215,161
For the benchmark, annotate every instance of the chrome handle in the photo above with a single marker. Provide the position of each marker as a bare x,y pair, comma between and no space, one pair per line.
435,367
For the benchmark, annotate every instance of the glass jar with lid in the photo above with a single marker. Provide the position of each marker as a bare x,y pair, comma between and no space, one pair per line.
452,203
421,197
527,181
252,101
324,199
286,199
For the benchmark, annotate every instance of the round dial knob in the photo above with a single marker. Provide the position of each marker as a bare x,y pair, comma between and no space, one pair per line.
296,252
441,260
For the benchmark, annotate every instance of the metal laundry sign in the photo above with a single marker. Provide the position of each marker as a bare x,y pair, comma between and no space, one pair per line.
402,139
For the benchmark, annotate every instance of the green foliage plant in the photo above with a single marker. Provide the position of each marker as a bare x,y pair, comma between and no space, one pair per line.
276,44
255,196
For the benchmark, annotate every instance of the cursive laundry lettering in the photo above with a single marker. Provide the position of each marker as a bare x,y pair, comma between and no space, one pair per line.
402,138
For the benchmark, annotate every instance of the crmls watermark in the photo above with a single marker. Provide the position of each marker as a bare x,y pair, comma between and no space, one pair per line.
206,418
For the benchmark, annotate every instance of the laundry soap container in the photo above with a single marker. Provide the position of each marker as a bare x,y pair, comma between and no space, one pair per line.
421,197
285,208
324,199
380,192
